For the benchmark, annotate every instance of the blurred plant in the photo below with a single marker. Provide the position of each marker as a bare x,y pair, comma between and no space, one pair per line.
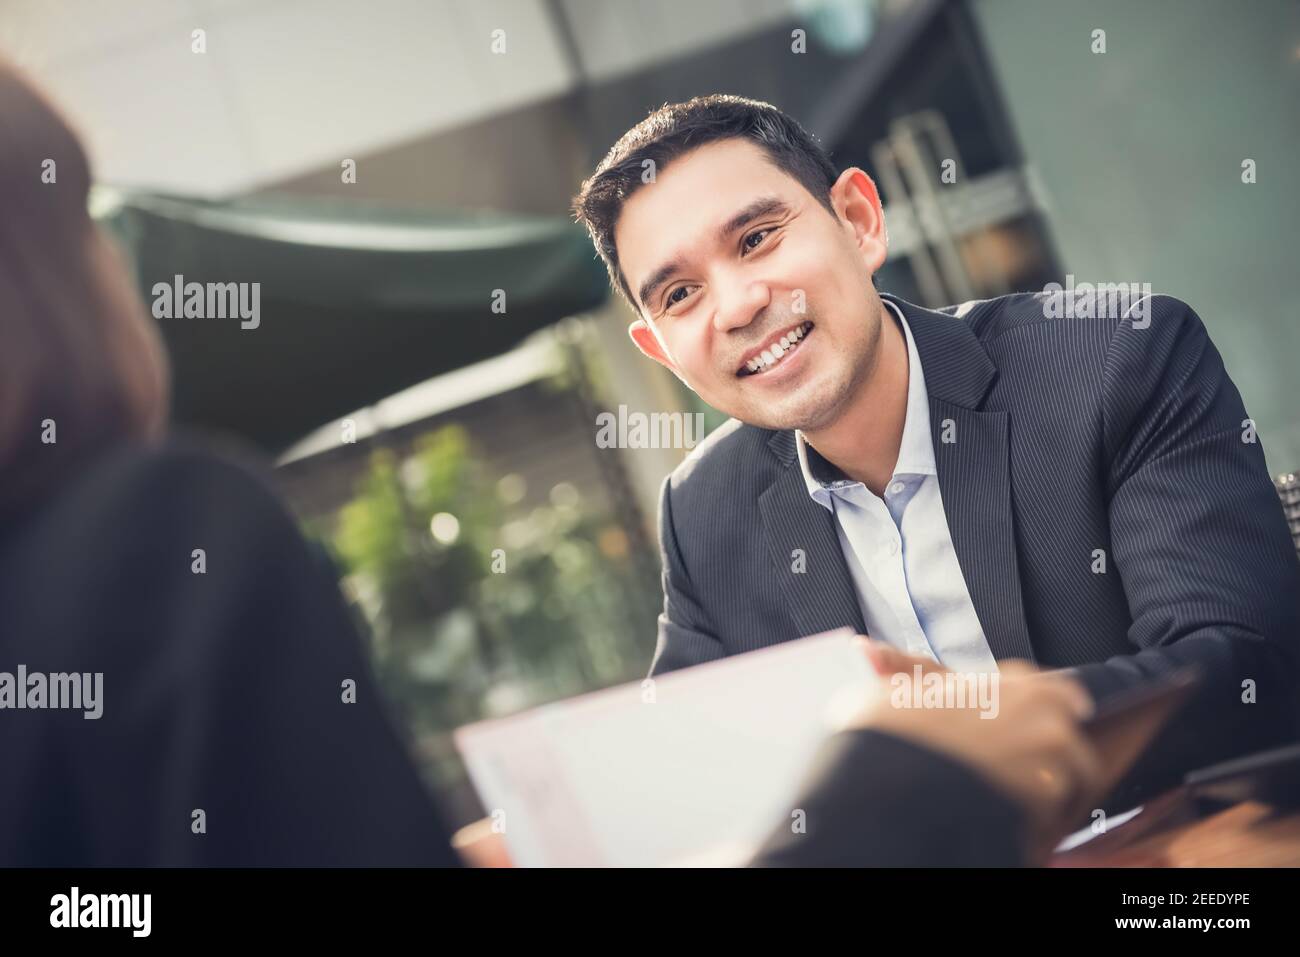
478,604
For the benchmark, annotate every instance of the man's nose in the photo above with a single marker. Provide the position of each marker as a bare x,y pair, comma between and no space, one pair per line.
739,305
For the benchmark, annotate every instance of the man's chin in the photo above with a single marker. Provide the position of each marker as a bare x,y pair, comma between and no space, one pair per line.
807,413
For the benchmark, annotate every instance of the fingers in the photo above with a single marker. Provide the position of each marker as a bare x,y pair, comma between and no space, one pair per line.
1016,668
1069,694
1048,689
479,846
1059,769
1072,759
1054,706
1064,769
888,660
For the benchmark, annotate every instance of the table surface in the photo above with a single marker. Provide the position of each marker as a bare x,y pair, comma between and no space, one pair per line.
1249,834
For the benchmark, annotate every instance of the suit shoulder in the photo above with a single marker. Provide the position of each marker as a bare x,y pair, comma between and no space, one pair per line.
732,450
177,470
1104,308
991,318
124,535
155,494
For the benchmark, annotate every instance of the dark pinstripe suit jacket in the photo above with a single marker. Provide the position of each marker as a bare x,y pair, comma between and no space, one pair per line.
1069,436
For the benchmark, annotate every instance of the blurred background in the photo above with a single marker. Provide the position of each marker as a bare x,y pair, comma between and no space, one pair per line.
390,170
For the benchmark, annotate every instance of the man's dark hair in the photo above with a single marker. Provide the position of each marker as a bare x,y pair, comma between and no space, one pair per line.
675,129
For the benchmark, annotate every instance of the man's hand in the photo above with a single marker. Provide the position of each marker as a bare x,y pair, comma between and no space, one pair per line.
888,660
480,846
1032,748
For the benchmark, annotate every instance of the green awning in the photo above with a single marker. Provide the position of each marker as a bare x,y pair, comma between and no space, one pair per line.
356,302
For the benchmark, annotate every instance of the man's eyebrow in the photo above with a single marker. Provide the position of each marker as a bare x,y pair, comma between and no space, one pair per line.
764,206
657,279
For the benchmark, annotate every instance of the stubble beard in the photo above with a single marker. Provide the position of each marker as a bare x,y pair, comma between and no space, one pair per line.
826,401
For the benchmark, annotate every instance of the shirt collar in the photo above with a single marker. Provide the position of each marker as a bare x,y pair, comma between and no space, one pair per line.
916,450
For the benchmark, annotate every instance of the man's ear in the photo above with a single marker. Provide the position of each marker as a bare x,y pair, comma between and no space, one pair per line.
856,201
648,343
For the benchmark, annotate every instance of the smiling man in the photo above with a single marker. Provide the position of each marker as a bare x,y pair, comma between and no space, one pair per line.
1020,477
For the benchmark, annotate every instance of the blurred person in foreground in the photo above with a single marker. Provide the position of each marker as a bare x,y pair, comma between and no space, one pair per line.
219,734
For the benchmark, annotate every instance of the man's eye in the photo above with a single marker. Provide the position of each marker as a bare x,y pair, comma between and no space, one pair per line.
673,298
755,239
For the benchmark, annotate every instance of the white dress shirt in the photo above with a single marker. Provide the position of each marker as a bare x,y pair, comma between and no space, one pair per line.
898,548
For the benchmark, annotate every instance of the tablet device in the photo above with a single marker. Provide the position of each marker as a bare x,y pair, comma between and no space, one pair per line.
693,767
1125,724
1269,776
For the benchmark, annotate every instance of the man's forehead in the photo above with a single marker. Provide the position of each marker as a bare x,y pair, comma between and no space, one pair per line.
692,197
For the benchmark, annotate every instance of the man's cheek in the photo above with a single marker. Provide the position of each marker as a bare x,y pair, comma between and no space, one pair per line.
697,362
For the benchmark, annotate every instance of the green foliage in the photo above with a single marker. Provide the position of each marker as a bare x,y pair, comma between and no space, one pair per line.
479,604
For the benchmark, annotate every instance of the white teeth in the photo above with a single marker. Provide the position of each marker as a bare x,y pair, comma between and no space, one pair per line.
775,352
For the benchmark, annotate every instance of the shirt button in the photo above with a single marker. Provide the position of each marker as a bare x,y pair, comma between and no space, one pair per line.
896,487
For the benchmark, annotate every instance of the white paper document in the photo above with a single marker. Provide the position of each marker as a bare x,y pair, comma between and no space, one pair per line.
695,767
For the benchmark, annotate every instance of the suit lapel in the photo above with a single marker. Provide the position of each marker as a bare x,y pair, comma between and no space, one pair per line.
975,486
822,596
972,459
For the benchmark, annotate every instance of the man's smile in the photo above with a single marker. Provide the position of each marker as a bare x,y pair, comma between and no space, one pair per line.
772,353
